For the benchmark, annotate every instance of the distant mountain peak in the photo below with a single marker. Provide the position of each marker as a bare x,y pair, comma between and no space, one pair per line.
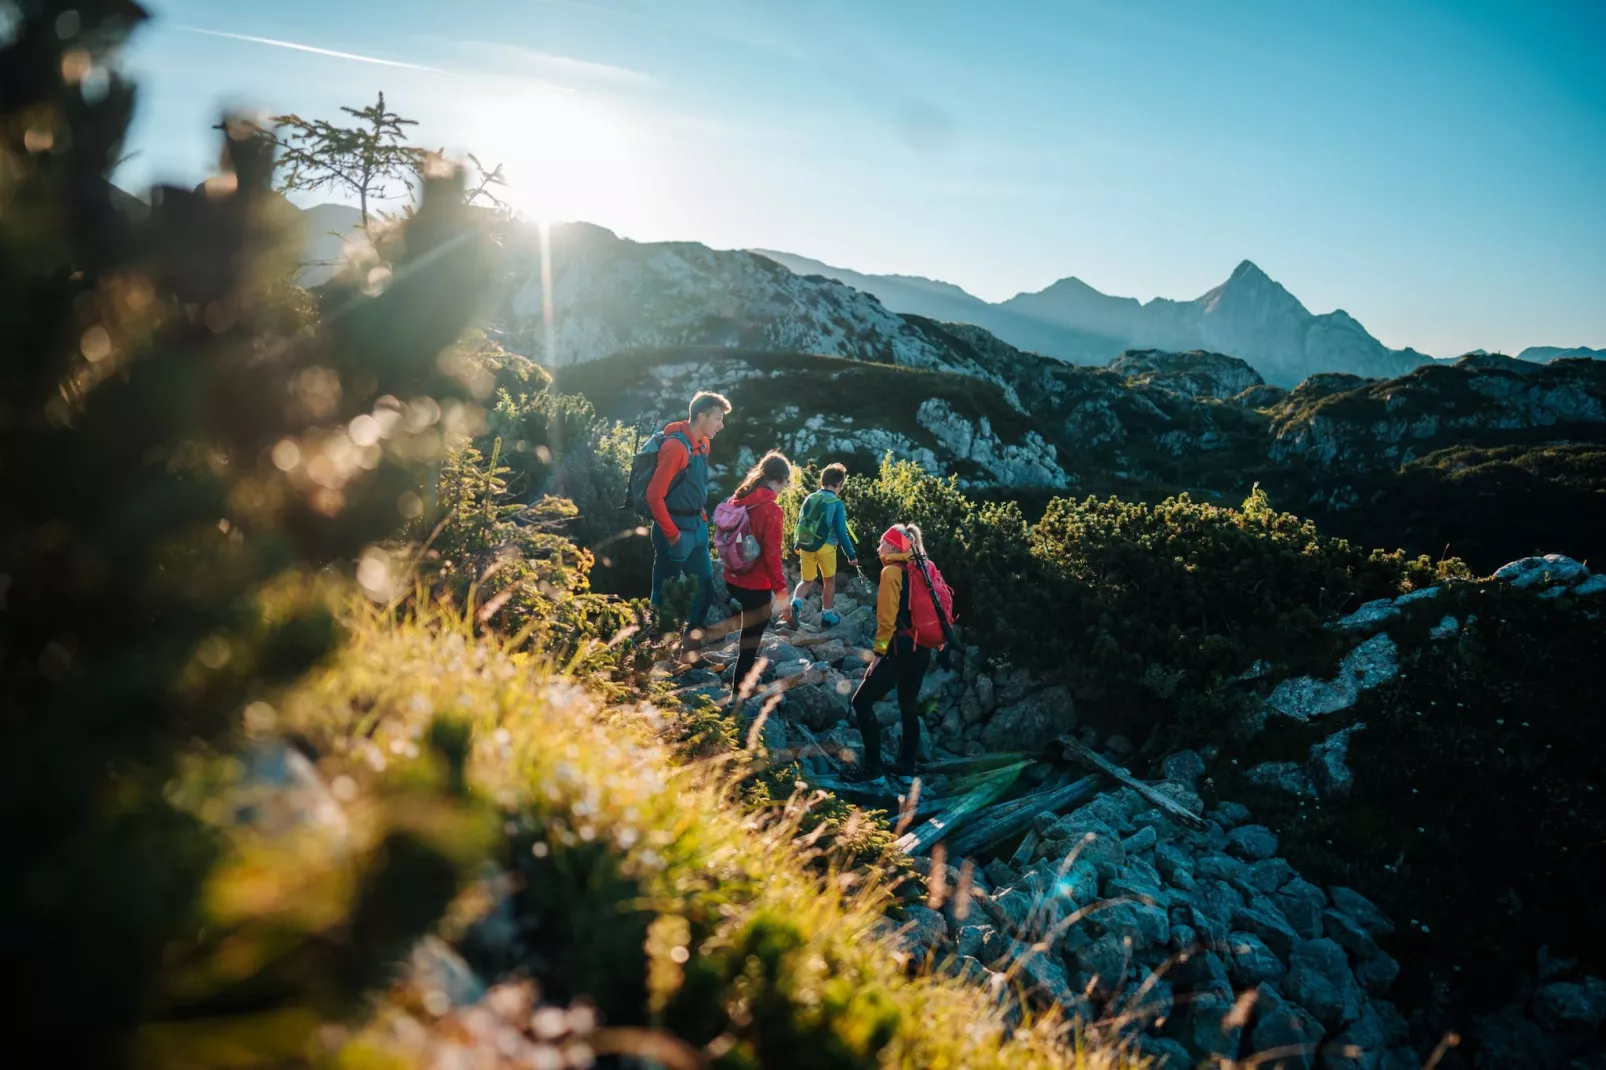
1248,270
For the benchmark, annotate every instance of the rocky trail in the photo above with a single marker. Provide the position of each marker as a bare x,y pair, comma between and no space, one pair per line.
1128,905
1049,871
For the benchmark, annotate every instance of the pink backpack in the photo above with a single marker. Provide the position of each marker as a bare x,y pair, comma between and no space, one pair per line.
733,537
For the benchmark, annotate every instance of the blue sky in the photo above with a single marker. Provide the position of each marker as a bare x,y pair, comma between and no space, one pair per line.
1438,170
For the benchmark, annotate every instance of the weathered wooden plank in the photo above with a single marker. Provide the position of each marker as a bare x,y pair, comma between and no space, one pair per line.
1078,752
1010,818
960,810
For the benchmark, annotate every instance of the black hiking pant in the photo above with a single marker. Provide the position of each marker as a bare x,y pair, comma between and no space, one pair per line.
902,668
755,616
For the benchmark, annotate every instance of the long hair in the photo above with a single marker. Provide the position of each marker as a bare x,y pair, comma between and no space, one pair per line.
917,541
773,467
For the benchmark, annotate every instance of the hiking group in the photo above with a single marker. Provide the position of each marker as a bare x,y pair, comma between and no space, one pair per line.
914,606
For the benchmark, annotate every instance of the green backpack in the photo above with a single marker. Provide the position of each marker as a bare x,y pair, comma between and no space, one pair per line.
813,521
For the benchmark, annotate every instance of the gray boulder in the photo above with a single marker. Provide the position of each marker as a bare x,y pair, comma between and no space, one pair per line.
1033,723
1290,777
1348,934
1358,1046
1563,1004
1184,766
1542,571
924,930
1283,1027
1362,909
1252,842
1105,962
1262,918
1319,979
1378,973
1250,961
1140,924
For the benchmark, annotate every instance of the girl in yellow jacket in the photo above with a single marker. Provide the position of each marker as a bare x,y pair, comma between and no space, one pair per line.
899,664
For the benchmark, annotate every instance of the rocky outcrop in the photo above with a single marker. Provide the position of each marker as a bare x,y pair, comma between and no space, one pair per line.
1356,425
1029,463
609,294
1197,374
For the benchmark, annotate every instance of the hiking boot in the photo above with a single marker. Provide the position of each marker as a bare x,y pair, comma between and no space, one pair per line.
796,617
830,619
861,774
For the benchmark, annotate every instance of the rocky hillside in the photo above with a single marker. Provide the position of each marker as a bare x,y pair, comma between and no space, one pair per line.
815,407
610,294
1476,399
948,303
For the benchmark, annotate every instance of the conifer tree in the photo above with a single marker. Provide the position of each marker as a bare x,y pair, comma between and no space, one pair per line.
362,160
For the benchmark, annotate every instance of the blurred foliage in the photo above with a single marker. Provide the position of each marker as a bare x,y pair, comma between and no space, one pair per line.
184,442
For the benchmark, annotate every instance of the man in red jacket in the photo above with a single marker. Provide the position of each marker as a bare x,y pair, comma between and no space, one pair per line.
678,496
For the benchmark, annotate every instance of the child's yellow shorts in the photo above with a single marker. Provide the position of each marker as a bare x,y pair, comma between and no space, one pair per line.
821,562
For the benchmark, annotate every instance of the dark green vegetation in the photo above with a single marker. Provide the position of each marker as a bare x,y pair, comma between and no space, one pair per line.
1489,505
1477,819
1147,612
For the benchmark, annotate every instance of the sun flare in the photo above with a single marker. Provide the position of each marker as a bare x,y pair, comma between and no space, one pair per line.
567,156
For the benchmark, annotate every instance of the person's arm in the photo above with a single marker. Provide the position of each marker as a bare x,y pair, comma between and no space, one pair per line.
844,541
886,607
769,525
672,460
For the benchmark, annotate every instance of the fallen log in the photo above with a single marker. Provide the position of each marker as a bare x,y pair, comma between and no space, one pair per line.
1010,818
1078,752
961,810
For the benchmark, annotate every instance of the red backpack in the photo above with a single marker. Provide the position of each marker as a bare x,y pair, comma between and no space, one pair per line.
931,603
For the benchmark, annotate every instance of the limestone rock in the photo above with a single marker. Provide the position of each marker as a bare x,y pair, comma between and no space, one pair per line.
1362,909
1032,723
1319,979
1253,842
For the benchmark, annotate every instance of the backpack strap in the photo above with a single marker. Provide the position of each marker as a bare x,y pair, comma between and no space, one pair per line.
680,475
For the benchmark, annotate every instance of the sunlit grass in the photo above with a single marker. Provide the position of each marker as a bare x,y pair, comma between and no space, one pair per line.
750,942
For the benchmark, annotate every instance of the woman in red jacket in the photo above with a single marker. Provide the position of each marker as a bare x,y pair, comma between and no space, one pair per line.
761,589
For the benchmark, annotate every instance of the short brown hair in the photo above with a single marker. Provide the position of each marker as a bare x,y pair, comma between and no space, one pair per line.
834,475
702,402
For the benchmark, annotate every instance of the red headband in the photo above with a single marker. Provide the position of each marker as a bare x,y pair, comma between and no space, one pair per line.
897,538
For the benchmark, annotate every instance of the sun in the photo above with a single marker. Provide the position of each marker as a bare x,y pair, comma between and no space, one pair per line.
566,155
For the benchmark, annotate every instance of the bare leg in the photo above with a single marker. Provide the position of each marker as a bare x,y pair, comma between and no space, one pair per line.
827,593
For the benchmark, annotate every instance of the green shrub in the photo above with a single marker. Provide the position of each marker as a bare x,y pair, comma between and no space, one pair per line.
1148,611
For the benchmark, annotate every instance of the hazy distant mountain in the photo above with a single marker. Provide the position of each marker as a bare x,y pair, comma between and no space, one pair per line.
1249,316
1546,354
947,303
328,227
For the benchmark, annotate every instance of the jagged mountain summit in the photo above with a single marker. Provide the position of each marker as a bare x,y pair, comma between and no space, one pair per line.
1250,316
